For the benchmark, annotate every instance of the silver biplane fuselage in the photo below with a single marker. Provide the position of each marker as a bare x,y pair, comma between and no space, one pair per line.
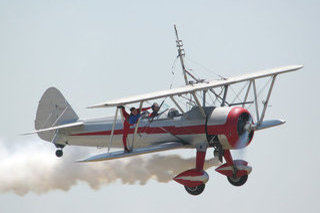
167,127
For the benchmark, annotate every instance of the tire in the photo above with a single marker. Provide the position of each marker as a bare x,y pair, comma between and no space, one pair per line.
195,190
238,181
59,153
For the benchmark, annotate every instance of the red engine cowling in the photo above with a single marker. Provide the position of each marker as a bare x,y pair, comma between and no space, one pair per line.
231,126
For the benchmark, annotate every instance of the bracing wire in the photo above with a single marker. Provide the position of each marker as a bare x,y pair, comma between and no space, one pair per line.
212,101
237,95
261,90
173,67
205,68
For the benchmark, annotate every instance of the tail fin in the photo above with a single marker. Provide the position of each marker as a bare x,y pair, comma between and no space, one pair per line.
53,110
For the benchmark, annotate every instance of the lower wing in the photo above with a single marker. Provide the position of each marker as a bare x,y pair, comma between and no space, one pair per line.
138,151
269,123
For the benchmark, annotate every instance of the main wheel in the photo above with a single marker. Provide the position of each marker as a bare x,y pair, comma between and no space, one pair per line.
59,153
195,190
238,181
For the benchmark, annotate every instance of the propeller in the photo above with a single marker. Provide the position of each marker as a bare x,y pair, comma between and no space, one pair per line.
245,130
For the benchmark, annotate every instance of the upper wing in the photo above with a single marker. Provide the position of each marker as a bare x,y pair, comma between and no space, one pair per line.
197,87
138,151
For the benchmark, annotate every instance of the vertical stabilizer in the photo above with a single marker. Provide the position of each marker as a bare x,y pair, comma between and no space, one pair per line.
53,110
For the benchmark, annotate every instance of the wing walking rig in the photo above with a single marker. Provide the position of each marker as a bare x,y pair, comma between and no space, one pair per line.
197,123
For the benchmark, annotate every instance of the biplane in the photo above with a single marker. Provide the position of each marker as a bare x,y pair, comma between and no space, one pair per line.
222,125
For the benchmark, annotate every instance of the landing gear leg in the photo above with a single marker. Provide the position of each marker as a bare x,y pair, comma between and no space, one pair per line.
218,152
234,179
201,155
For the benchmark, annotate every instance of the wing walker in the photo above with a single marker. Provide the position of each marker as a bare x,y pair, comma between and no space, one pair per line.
199,115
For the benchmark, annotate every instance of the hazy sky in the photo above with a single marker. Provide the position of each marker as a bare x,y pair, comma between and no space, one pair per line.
98,50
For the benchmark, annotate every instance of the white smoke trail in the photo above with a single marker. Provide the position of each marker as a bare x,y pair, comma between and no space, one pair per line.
33,167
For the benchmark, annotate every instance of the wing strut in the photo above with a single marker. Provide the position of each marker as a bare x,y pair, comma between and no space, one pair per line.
247,93
225,95
136,128
204,98
255,98
265,104
199,105
112,131
218,97
176,103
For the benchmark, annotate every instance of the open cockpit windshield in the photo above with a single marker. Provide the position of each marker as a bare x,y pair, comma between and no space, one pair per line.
168,113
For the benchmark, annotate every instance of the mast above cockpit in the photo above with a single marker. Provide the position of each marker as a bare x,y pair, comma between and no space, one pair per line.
181,55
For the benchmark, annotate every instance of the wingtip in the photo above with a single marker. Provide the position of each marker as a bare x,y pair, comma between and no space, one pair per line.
300,66
294,66
26,134
283,121
93,107
88,160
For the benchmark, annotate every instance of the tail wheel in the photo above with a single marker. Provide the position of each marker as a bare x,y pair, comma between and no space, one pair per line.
195,190
59,153
238,181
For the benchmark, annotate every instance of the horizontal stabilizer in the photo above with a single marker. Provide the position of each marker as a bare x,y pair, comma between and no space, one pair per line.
138,151
269,123
64,126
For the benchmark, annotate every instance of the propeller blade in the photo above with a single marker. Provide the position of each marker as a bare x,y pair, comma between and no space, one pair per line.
244,138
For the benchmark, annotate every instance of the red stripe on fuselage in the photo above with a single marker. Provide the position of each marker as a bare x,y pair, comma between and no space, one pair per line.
185,130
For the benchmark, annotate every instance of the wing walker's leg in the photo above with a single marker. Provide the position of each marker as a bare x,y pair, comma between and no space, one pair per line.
201,155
